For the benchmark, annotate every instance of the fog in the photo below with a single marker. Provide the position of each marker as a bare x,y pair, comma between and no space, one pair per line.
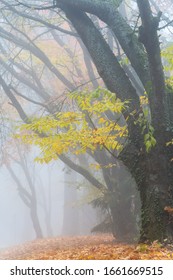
15,216
51,186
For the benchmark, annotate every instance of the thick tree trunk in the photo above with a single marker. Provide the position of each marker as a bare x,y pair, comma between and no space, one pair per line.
153,175
155,222
125,202
105,61
156,197
156,200
123,223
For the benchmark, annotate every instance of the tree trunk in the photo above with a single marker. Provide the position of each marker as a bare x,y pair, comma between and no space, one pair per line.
70,215
35,220
124,206
154,220
156,196
29,200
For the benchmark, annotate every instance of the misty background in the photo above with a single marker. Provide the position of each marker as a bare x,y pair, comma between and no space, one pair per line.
68,216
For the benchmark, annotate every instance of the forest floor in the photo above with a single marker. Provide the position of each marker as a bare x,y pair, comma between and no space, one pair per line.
94,247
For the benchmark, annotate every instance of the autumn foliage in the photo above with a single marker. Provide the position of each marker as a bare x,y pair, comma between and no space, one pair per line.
95,247
85,126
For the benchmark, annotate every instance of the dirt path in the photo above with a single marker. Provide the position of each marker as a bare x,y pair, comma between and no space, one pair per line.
96,247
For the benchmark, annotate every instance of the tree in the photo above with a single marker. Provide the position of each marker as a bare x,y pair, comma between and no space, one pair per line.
152,170
146,154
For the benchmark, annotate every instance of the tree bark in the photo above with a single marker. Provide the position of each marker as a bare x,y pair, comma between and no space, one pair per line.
156,193
107,12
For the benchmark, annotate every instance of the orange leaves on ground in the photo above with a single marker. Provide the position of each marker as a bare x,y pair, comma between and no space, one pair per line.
95,247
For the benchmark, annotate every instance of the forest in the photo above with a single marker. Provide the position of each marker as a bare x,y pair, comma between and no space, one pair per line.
86,129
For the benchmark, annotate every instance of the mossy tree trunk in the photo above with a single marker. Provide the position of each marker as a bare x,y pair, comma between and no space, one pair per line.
156,196
157,192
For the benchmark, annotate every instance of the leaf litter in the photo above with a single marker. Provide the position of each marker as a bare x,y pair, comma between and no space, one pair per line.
92,247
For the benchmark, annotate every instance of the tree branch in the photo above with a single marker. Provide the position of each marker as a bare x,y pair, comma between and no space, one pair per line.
85,173
107,12
45,23
14,101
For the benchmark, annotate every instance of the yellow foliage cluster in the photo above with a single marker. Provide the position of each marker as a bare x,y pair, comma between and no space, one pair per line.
144,100
87,127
